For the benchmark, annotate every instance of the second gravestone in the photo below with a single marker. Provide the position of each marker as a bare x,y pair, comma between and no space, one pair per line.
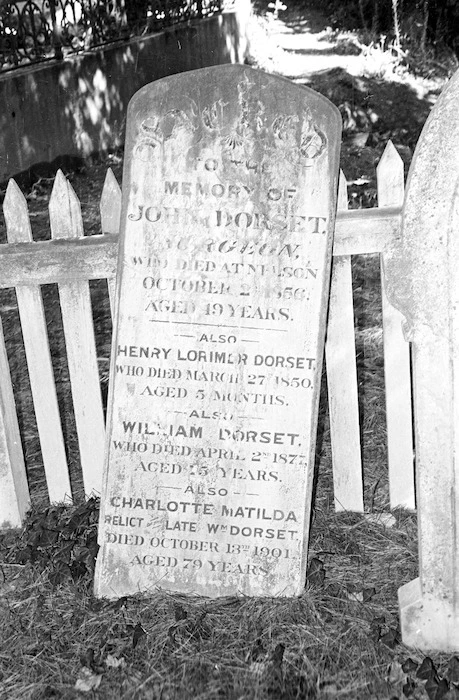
229,186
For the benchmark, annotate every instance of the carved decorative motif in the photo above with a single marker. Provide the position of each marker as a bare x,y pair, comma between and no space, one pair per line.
237,136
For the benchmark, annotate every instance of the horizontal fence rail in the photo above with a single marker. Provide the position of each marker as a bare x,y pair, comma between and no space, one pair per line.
37,30
70,260
357,232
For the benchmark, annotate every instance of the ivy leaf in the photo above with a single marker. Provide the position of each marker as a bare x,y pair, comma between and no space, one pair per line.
77,521
408,688
368,594
25,555
409,666
442,690
427,670
390,639
435,689
78,570
59,574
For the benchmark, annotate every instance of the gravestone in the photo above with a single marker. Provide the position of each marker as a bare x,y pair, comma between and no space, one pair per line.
229,186
422,280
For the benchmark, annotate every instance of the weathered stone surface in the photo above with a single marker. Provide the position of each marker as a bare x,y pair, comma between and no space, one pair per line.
229,197
423,282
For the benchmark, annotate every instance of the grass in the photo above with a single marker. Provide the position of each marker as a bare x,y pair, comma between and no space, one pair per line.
336,640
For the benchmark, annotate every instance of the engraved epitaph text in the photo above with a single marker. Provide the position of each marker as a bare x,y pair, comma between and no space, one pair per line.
229,195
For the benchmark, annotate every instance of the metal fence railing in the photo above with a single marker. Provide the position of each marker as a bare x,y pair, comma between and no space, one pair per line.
37,30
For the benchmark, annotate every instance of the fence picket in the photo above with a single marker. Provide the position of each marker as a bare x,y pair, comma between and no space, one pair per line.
36,345
70,259
397,375
342,382
66,222
110,215
14,490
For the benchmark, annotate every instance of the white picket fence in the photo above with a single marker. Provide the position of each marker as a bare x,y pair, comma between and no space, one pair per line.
70,259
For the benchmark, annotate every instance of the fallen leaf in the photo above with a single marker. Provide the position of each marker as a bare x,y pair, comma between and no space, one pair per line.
87,680
395,673
114,662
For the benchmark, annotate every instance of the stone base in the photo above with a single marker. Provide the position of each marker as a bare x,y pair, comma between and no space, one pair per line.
427,623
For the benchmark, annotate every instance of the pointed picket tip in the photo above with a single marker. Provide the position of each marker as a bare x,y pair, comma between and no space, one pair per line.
59,187
13,190
110,204
111,185
75,210
390,159
64,210
16,214
342,191
390,178
58,205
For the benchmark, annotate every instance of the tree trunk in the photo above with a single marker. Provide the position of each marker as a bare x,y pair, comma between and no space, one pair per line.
396,18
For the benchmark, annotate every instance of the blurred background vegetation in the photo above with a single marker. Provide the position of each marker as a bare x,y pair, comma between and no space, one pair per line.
419,31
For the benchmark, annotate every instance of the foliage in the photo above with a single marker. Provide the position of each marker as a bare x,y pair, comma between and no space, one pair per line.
61,541
425,26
